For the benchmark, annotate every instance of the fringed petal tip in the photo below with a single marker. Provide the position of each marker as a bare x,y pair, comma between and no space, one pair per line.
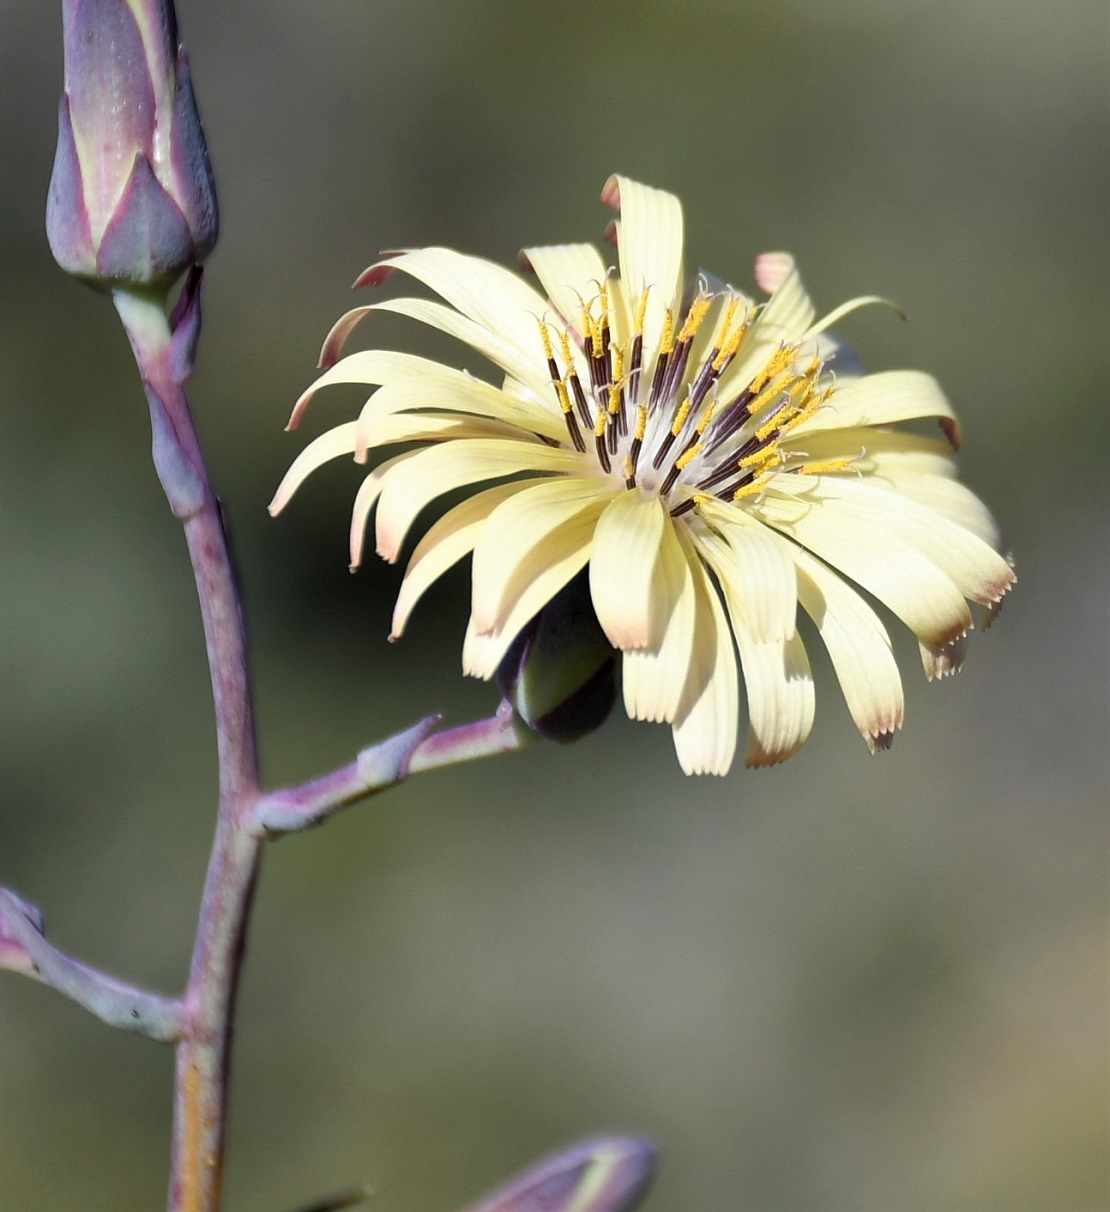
994,609
879,742
943,660
996,591
761,759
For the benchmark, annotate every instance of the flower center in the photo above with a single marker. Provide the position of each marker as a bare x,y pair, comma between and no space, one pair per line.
681,436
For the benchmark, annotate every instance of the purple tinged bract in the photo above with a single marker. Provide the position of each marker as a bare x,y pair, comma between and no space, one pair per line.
131,201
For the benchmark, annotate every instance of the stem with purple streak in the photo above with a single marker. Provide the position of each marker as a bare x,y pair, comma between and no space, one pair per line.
163,352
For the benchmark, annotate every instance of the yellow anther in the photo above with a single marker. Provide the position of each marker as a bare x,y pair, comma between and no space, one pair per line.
751,489
614,398
545,337
618,362
779,361
564,345
628,468
726,322
592,331
804,407
667,343
826,467
680,417
694,317
604,295
774,419
761,458
641,311
730,313
641,422
599,424
707,416
564,397
685,458
730,338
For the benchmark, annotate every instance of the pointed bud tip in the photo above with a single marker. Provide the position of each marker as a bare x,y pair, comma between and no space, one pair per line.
132,200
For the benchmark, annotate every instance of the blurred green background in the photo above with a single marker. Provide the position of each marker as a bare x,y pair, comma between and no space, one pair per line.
847,983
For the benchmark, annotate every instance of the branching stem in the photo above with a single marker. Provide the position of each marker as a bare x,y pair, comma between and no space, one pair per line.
163,348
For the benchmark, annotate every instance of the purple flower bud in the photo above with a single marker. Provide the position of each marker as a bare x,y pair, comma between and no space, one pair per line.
132,201
607,1174
560,671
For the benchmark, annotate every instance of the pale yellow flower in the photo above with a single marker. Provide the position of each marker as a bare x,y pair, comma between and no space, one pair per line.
708,458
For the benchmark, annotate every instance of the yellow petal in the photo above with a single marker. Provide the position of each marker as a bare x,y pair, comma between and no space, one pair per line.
439,469
708,718
783,320
568,549
918,592
761,570
452,391
365,500
330,445
655,679
632,601
447,541
873,515
368,366
373,432
883,399
332,348
859,648
942,660
572,275
513,548
650,252
528,369
878,454
777,676
953,501
486,293
845,309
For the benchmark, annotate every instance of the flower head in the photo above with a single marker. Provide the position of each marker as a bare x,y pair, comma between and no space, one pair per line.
710,462
131,198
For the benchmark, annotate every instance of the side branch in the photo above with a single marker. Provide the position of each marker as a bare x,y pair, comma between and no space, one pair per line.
23,948
375,768
381,766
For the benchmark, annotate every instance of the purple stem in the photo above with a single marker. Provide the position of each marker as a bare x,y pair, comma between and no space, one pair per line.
385,764
163,348
164,358
23,948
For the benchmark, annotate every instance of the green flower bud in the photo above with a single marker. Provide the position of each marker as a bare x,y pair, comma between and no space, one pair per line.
131,201
560,672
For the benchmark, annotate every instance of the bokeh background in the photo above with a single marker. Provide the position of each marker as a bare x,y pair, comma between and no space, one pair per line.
848,983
